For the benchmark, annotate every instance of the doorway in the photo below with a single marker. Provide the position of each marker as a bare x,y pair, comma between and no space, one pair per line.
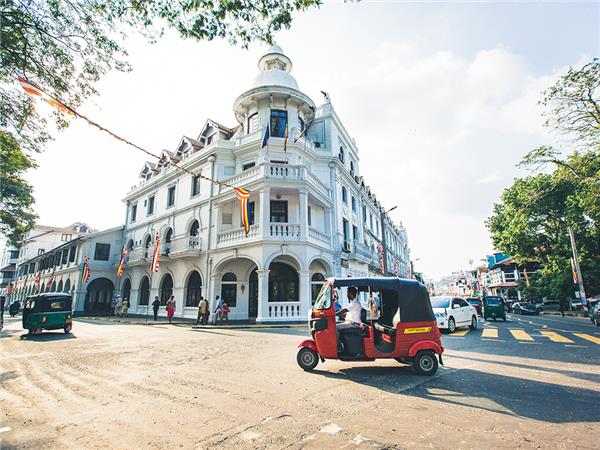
253,295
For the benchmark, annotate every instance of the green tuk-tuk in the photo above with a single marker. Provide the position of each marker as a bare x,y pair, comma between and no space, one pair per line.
493,308
49,311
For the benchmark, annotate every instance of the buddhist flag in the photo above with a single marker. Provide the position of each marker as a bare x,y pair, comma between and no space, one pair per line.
50,280
266,137
526,276
85,274
396,262
156,255
32,89
243,195
380,250
285,139
575,280
120,269
37,283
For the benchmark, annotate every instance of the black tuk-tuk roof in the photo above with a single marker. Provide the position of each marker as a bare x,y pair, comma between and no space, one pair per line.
47,295
413,297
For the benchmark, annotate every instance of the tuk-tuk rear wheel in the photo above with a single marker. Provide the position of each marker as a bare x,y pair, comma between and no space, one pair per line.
307,358
426,363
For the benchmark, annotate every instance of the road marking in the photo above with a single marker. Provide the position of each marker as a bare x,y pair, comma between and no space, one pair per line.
490,333
588,337
520,335
460,332
555,337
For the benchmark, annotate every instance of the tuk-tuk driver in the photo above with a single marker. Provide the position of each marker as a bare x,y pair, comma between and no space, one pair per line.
352,312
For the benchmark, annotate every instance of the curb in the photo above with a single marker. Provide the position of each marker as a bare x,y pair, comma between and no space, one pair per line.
191,324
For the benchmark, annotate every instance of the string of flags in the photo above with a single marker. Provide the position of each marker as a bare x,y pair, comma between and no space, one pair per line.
380,250
122,261
36,91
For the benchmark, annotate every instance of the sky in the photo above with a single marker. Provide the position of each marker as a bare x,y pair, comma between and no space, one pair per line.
441,98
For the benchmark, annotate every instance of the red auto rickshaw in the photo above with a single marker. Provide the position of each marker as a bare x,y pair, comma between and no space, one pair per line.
401,325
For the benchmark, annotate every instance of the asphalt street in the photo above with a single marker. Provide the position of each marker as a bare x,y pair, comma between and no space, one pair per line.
530,382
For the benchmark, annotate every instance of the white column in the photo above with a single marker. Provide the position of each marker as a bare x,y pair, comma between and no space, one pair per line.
179,294
305,300
263,296
265,199
303,205
215,289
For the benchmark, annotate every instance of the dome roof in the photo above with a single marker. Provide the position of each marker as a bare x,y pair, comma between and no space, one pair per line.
274,77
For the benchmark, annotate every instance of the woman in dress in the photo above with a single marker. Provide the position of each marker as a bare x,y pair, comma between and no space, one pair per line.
170,308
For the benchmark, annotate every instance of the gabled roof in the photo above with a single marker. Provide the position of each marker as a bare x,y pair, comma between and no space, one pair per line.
214,124
148,167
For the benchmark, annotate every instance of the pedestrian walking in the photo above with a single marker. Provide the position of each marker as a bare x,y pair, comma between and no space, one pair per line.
171,308
125,308
218,310
225,313
561,306
113,309
118,306
2,306
155,306
202,312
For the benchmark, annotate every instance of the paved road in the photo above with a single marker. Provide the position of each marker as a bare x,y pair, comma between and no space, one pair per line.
525,383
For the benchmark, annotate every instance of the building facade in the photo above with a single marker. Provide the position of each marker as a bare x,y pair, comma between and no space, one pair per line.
311,213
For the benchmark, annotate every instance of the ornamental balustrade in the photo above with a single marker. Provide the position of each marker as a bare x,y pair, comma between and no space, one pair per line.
237,235
185,246
284,231
317,235
283,311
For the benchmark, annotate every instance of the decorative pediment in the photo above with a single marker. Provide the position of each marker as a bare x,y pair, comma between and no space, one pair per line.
148,170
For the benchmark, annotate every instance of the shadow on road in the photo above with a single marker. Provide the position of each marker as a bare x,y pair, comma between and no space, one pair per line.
48,336
482,390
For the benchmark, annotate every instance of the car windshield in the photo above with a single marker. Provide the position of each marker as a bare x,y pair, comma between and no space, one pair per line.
474,301
527,306
493,301
324,299
440,302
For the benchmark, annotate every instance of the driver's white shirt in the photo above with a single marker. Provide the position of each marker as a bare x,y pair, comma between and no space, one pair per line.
354,308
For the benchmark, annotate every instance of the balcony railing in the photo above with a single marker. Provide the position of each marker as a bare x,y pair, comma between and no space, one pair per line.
185,246
283,311
285,231
317,235
139,255
236,236
362,250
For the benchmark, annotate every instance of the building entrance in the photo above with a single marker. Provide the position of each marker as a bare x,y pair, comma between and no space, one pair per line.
253,295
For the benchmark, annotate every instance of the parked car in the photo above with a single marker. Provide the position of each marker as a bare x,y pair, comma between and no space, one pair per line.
550,305
595,314
453,312
476,303
525,309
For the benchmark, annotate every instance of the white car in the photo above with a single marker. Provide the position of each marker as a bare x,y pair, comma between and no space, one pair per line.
453,312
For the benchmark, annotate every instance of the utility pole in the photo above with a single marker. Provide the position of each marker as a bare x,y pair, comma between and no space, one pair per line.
577,268
383,214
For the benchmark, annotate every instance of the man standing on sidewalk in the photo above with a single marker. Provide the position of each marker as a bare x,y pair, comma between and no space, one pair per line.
155,306
202,310
218,310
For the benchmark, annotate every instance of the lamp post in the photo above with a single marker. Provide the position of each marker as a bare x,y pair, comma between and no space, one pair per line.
383,243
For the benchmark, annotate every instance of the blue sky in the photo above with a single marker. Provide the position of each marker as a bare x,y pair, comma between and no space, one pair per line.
441,98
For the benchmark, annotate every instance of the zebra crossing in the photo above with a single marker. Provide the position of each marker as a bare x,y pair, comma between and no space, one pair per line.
489,333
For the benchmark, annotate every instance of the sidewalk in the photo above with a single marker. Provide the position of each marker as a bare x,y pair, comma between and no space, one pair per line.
234,324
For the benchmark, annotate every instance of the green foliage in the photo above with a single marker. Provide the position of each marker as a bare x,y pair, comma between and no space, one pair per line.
66,46
531,223
573,105
16,215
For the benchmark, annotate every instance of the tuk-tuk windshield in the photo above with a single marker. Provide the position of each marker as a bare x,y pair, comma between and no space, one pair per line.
324,299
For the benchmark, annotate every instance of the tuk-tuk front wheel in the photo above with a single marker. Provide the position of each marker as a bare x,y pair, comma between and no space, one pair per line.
307,358
425,363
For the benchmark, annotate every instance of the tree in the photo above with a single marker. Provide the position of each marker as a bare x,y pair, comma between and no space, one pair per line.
531,224
16,200
65,46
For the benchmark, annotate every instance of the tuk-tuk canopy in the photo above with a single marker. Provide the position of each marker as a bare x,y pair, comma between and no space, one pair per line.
49,302
410,296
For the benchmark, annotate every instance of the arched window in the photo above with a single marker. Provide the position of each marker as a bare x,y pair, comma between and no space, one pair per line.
130,245
351,167
316,282
166,289
59,288
341,155
252,123
229,289
283,283
193,290
169,236
195,228
344,194
67,288
144,294
126,293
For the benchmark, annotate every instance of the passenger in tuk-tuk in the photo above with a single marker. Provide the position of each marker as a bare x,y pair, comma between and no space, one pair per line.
354,310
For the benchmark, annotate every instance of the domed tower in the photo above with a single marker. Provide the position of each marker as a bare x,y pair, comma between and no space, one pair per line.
274,99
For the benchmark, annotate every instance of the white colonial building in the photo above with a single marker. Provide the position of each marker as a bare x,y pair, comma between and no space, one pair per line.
311,213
